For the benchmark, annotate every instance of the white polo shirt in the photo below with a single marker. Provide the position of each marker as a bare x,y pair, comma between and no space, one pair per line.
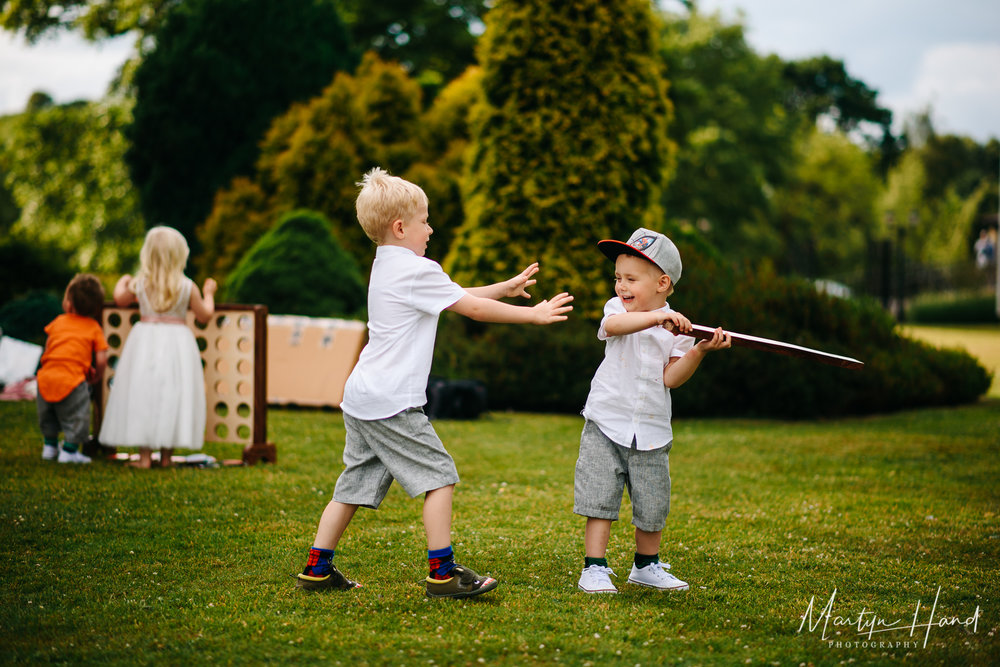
627,396
406,294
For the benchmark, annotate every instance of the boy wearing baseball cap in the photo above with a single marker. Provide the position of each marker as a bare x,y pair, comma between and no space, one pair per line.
627,435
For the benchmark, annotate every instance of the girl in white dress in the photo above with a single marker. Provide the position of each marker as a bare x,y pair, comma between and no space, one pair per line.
157,398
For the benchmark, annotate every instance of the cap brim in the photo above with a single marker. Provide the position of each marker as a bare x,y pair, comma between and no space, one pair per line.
612,249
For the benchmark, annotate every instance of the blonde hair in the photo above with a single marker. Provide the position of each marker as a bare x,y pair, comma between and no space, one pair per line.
383,199
161,266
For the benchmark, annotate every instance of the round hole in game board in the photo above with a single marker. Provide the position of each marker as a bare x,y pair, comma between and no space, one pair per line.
243,366
221,343
200,325
202,343
221,388
243,410
221,409
115,320
221,430
221,321
112,361
243,388
133,318
243,431
244,344
245,322
114,340
221,366
203,365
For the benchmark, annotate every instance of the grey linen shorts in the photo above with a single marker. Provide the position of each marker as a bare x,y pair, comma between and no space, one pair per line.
604,469
70,415
403,447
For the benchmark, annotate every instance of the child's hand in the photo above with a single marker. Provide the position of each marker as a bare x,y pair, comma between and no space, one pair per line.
552,310
517,286
720,340
675,322
210,287
92,376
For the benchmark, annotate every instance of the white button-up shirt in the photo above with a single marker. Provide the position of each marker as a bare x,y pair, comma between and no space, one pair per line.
628,399
406,294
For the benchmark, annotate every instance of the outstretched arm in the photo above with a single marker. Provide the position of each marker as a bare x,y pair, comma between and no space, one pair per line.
680,369
516,286
488,310
621,324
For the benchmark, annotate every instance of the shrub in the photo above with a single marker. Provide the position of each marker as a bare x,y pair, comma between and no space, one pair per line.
962,308
25,266
25,318
550,368
299,268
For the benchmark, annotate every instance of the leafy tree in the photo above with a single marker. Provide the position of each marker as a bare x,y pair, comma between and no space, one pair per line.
433,39
821,86
96,19
569,143
826,212
735,139
299,268
313,155
65,168
219,72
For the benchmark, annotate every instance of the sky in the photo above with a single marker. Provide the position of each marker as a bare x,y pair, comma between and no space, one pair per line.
918,54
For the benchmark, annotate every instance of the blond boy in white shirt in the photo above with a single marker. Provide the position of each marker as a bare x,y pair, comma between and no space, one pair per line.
388,436
627,435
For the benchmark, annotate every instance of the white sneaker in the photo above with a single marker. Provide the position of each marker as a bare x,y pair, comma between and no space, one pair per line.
597,579
50,452
72,457
656,575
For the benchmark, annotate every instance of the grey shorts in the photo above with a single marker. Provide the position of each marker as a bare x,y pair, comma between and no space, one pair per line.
603,471
70,415
403,447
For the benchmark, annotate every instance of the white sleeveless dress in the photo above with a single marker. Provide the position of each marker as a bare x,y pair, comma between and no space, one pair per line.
157,394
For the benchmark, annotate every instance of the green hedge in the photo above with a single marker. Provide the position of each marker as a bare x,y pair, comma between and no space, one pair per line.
298,268
549,369
962,308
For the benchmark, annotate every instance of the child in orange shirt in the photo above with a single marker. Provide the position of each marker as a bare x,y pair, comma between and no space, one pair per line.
75,339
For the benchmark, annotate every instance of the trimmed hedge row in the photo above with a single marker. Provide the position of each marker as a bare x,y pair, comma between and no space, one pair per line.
548,369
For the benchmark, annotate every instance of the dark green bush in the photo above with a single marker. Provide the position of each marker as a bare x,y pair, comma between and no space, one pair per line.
25,266
299,268
25,318
977,308
550,368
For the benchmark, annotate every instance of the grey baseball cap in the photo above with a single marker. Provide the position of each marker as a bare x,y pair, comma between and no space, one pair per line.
649,245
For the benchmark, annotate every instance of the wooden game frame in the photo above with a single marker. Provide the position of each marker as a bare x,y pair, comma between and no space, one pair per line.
233,346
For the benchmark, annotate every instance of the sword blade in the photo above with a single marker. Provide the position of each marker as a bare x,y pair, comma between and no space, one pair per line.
769,345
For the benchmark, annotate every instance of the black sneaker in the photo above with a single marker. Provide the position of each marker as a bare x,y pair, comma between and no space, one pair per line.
335,580
463,583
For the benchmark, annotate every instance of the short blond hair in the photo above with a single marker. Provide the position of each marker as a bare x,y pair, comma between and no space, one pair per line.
385,198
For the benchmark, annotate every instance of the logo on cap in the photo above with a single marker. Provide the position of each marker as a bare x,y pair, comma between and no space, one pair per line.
643,242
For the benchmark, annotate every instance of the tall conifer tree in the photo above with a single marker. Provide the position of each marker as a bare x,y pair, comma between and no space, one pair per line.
569,143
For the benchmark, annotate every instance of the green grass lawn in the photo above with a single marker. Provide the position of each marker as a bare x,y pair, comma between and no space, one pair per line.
107,564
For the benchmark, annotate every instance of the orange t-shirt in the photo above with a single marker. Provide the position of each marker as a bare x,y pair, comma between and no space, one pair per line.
73,339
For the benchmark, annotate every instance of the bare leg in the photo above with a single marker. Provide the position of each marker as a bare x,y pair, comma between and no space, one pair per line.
647,543
165,455
437,517
333,523
596,536
145,458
